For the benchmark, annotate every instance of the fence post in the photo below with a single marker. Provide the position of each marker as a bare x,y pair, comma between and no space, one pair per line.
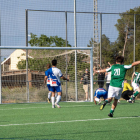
66,54
100,39
27,82
91,75
75,38
0,65
134,41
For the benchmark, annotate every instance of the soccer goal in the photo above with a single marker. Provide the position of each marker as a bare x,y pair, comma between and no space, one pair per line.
23,71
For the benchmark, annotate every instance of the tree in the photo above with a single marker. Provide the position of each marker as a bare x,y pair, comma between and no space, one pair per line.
108,50
45,41
125,26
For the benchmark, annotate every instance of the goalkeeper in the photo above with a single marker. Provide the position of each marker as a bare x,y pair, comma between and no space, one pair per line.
127,91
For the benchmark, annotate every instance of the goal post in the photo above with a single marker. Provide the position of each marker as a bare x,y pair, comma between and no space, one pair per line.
42,55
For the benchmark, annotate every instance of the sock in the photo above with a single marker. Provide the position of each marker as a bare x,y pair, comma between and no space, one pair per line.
106,101
58,99
53,99
111,111
136,93
49,95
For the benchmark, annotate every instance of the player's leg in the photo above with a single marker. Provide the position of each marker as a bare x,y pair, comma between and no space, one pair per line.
96,99
117,96
86,91
126,94
59,90
56,94
113,108
134,95
109,99
105,102
137,91
53,99
49,94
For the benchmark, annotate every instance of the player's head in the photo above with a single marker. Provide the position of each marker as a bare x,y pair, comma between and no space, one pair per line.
48,66
86,70
54,62
125,80
120,59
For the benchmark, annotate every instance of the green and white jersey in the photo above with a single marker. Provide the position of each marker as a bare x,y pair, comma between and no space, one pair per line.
118,74
136,78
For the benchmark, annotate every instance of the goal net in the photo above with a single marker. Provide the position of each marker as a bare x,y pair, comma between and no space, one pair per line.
23,71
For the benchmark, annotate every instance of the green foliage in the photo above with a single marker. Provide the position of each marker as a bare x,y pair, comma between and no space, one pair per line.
108,50
125,27
45,41
41,57
34,64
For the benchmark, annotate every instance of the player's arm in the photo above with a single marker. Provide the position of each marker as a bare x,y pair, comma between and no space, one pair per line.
99,66
129,87
64,78
45,78
135,63
81,80
95,100
132,77
101,71
109,64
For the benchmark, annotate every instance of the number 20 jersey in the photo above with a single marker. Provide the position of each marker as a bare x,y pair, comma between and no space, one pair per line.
118,74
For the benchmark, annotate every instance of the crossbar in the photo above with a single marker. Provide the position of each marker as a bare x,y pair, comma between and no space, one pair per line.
46,48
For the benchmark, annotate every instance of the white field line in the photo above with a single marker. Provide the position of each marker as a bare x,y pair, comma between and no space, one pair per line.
43,107
69,121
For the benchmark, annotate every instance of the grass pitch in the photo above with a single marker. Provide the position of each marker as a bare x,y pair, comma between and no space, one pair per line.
80,121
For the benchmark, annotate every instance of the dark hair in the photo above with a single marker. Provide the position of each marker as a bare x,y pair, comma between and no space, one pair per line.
120,59
48,66
54,62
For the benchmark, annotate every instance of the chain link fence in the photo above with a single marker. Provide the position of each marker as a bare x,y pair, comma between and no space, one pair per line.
115,34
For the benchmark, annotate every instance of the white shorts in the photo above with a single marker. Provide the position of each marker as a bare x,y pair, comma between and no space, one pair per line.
135,86
114,92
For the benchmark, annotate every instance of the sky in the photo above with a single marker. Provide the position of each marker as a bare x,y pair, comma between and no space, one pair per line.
53,23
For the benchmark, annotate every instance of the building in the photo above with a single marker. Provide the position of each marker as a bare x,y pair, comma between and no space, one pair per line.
12,76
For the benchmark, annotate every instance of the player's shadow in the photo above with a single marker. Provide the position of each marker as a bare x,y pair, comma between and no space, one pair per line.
135,116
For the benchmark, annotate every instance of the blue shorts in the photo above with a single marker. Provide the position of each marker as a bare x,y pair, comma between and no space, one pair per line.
57,89
101,95
49,87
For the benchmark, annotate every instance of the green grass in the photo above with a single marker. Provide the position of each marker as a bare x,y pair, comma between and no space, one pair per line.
80,121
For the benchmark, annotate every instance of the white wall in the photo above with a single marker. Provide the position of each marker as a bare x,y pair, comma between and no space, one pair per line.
17,56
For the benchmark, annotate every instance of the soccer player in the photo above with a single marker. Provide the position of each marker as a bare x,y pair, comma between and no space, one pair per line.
135,84
118,72
100,92
127,91
47,79
55,84
108,77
